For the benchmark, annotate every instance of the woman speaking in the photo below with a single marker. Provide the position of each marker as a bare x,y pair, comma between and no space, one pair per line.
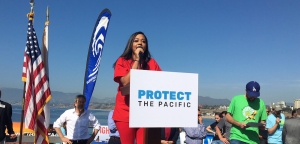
135,56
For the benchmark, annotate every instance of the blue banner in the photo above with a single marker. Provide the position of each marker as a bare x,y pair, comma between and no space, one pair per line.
207,140
95,54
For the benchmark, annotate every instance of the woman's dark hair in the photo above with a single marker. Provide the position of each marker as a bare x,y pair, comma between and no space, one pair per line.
224,112
219,114
127,54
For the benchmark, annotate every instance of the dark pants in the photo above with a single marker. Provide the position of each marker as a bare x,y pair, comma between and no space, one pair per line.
236,142
263,141
79,141
114,140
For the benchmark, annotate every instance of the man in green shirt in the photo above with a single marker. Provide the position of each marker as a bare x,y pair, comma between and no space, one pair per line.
243,109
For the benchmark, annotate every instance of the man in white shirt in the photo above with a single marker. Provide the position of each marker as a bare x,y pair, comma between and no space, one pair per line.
78,120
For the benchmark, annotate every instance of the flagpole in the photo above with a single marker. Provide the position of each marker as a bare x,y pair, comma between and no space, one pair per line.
30,16
47,14
22,115
46,67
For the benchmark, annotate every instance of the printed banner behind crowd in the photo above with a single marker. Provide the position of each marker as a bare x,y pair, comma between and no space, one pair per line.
101,138
95,54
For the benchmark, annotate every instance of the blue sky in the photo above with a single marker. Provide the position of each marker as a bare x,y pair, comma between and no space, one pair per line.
228,43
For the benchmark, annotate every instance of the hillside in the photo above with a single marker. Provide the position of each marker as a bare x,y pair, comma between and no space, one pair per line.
14,95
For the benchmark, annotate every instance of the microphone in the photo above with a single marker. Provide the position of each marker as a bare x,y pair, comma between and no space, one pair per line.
141,55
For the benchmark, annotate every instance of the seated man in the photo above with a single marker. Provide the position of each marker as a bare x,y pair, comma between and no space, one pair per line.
197,134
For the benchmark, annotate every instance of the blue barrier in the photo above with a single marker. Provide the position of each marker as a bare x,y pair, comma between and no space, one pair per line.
207,140
102,142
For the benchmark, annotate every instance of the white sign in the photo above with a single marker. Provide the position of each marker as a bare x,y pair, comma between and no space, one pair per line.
163,99
103,134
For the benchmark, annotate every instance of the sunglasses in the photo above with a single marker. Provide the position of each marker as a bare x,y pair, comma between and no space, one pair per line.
199,114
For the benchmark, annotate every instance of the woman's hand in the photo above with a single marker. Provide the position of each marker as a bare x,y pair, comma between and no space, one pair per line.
137,51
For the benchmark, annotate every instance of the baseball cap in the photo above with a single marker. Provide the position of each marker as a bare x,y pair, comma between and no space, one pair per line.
277,108
253,88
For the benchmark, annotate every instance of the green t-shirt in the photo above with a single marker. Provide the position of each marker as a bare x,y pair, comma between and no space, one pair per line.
245,111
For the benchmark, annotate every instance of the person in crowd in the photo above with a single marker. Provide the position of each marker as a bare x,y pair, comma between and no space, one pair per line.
77,121
195,135
64,128
263,133
223,130
274,125
169,135
268,110
114,133
294,114
291,130
97,137
243,109
5,121
182,135
224,113
63,131
51,130
212,128
130,59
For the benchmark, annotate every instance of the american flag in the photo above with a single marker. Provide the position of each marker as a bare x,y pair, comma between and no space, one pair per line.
37,88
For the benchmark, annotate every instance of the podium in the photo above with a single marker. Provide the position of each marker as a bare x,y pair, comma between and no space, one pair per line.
161,99
151,135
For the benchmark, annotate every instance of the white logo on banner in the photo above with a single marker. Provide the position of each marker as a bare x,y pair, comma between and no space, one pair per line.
97,47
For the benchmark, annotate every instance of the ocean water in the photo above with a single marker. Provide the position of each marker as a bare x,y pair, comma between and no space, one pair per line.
101,115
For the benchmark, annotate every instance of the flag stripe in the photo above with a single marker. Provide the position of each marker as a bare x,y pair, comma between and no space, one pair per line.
28,108
41,129
25,67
